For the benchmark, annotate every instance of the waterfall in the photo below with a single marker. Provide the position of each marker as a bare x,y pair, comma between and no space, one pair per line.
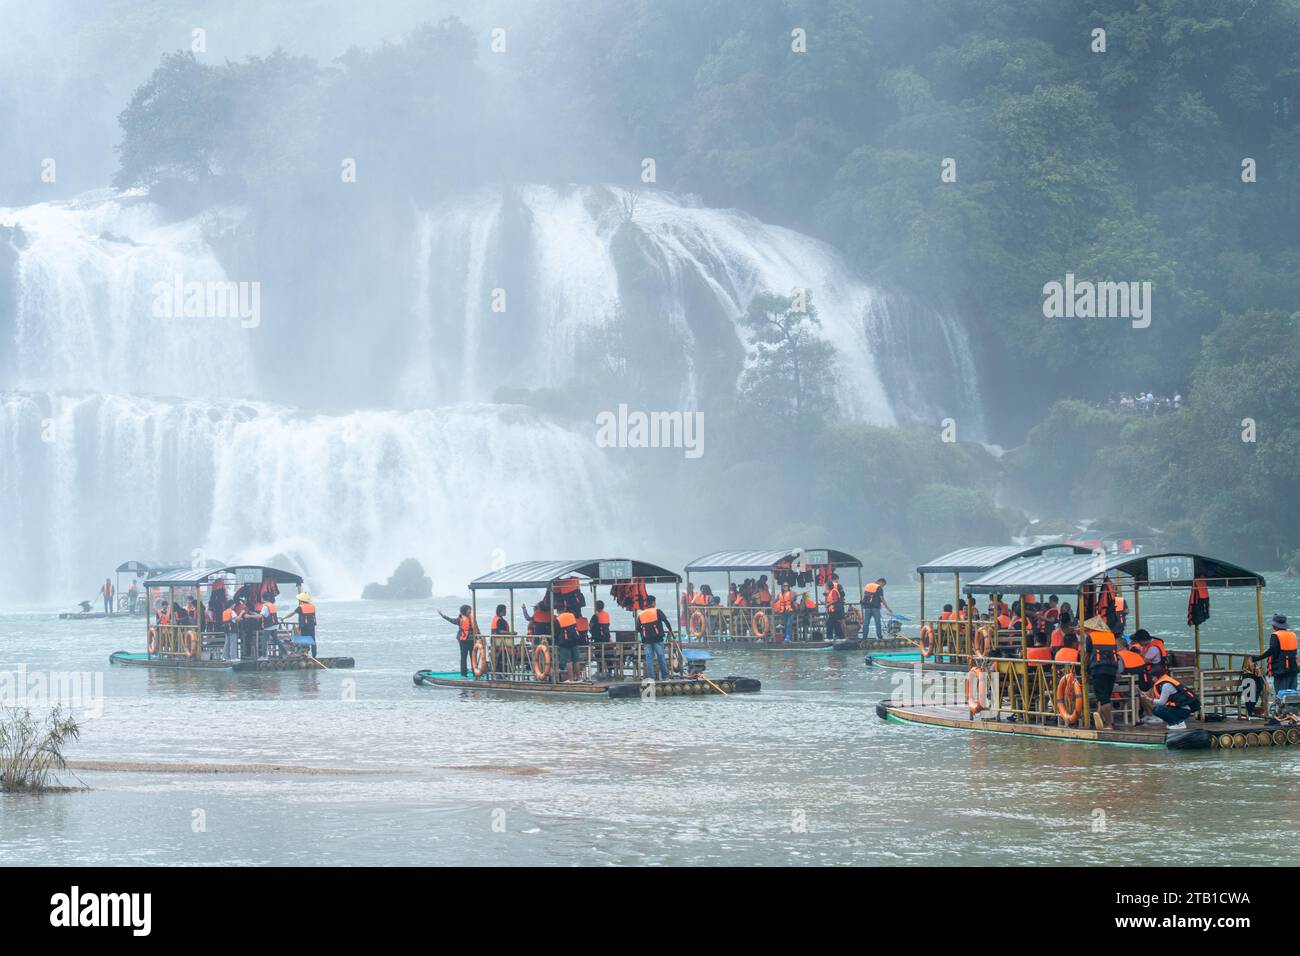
126,434
90,481
85,317
896,362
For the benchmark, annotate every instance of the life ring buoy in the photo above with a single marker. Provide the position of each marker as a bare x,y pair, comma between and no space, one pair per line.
1067,688
758,624
542,661
191,644
697,624
927,641
975,700
478,657
153,640
982,642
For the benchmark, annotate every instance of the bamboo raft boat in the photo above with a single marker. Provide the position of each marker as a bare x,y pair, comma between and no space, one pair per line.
1032,697
507,661
201,643
713,623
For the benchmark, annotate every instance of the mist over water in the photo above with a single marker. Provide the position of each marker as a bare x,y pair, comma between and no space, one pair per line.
131,434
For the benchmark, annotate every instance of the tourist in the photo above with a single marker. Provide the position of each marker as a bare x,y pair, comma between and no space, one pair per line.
466,631
1172,702
306,613
1103,668
653,627
873,599
784,605
1281,654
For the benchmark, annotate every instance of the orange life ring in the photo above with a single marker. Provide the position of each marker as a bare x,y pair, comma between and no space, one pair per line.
982,642
191,644
1068,685
758,624
542,661
479,658
153,640
697,624
927,641
976,700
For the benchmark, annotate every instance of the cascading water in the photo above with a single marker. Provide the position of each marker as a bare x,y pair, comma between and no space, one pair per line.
126,434
574,284
88,482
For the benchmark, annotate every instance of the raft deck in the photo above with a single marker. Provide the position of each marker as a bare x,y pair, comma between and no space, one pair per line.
609,689
291,663
1230,734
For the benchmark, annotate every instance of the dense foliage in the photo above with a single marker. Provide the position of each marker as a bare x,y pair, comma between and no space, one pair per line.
1122,165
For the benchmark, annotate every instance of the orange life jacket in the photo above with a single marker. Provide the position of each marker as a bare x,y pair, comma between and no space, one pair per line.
307,613
1038,654
1286,659
274,618
602,617
1068,654
1182,697
227,616
500,625
1103,648
651,629
464,627
565,619
1058,638
1004,621
946,616
1133,661
541,615
784,603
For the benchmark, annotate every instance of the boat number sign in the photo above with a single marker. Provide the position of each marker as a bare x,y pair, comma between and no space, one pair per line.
615,570
1177,567
816,558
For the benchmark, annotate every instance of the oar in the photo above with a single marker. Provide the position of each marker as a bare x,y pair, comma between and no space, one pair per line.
715,686
318,663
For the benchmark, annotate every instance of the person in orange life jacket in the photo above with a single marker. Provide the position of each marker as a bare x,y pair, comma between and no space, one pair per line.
762,595
1037,653
106,592
1052,613
230,627
306,614
1121,617
1171,702
1103,668
652,625
834,609
784,605
873,599
1069,651
1281,654
466,631
688,601
568,646
539,622
1133,663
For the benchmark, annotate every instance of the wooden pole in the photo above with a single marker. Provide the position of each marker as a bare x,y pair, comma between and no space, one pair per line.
1259,614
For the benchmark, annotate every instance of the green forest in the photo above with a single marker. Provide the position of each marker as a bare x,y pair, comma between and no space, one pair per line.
1152,141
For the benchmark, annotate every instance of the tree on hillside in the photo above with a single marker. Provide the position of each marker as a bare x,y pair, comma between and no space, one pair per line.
791,374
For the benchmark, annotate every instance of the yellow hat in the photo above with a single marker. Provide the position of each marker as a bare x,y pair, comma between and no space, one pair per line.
304,596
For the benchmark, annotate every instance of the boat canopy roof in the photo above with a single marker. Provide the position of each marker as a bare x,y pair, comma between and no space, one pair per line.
771,560
966,560
541,574
151,567
1166,570
242,573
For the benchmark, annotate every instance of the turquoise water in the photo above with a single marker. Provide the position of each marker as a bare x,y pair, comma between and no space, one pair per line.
803,772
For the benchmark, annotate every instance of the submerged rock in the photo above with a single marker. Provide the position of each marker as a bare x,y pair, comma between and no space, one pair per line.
407,583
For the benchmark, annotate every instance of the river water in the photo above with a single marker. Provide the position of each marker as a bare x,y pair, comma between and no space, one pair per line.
801,773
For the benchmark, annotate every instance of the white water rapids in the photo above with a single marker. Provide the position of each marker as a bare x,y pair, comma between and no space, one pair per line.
125,434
